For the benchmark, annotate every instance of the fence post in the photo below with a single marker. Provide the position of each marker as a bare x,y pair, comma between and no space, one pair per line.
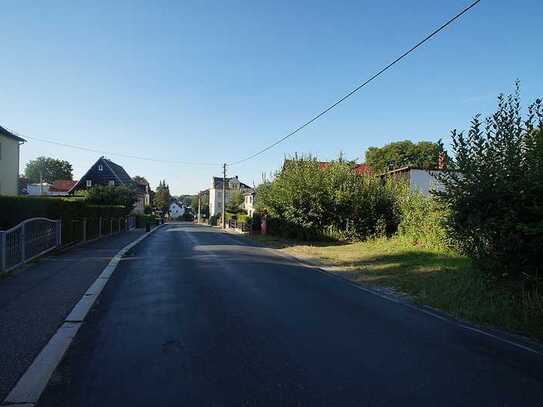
100,226
119,223
2,250
59,232
84,229
111,226
23,243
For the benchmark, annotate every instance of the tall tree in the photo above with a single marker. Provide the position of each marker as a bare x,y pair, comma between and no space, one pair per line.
162,197
424,154
48,169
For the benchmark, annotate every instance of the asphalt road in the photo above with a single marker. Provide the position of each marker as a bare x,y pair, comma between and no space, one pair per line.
195,317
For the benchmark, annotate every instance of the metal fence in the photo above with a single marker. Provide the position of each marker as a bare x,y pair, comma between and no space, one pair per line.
28,240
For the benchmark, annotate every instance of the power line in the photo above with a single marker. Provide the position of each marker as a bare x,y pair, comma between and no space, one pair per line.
117,154
352,92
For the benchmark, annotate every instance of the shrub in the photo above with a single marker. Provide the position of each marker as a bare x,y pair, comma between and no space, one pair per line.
494,190
306,201
422,220
14,210
142,220
112,195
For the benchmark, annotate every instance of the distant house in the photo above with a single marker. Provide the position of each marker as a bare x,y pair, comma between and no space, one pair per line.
232,186
106,172
57,188
420,179
9,162
176,209
249,202
62,187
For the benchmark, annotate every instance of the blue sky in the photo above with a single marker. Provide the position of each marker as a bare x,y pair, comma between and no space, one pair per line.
215,81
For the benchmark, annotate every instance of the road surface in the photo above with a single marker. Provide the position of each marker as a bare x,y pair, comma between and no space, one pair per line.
196,317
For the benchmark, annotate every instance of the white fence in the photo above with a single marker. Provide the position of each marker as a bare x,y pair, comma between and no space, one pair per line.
28,240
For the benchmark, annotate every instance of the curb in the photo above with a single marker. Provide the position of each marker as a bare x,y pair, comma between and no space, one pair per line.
32,383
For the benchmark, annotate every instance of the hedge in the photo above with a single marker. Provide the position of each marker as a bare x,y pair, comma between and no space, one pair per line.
14,210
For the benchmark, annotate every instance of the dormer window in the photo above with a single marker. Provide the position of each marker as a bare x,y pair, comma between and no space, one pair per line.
100,167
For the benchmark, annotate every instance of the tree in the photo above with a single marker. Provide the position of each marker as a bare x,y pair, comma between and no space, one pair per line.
112,195
424,154
494,190
162,197
234,206
204,204
48,169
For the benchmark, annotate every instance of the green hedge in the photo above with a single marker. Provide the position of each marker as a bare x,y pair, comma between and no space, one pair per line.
14,210
142,220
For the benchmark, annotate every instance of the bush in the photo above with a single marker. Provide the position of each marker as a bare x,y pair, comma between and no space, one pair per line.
494,190
308,202
214,220
14,210
142,220
112,195
422,221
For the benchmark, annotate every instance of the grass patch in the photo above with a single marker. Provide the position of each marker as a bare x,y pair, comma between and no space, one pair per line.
438,278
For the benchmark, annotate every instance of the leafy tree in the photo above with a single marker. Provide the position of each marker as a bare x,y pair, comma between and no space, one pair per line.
187,200
162,197
309,202
494,190
49,169
424,154
112,195
204,204
235,202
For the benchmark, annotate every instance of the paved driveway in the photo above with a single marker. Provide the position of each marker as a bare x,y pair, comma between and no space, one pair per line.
194,317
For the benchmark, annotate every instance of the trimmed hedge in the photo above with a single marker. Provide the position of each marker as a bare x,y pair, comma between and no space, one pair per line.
15,209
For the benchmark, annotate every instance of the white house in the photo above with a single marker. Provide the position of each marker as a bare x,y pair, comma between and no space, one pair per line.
420,179
233,185
249,202
176,210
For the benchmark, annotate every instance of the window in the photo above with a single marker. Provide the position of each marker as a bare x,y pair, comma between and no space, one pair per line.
89,183
100,168
111,182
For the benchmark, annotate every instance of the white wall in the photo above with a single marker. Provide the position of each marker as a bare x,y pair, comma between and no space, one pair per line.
424,181
9,166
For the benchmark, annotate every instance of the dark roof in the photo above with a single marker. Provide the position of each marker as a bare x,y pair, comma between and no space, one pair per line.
119,172
7,133
217,182
110,170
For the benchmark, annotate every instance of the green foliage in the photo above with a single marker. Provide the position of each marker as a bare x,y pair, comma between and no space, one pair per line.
424,154
14,210
422,220
142,220
204,204
308,202
162,197
236,200
112,195
495,190
49,169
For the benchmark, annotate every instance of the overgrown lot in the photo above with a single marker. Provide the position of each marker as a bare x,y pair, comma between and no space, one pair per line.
439,278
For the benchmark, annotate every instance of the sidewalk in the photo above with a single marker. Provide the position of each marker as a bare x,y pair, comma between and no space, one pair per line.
35,300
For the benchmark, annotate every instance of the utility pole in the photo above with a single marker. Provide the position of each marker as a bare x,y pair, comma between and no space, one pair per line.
199,205
223,194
